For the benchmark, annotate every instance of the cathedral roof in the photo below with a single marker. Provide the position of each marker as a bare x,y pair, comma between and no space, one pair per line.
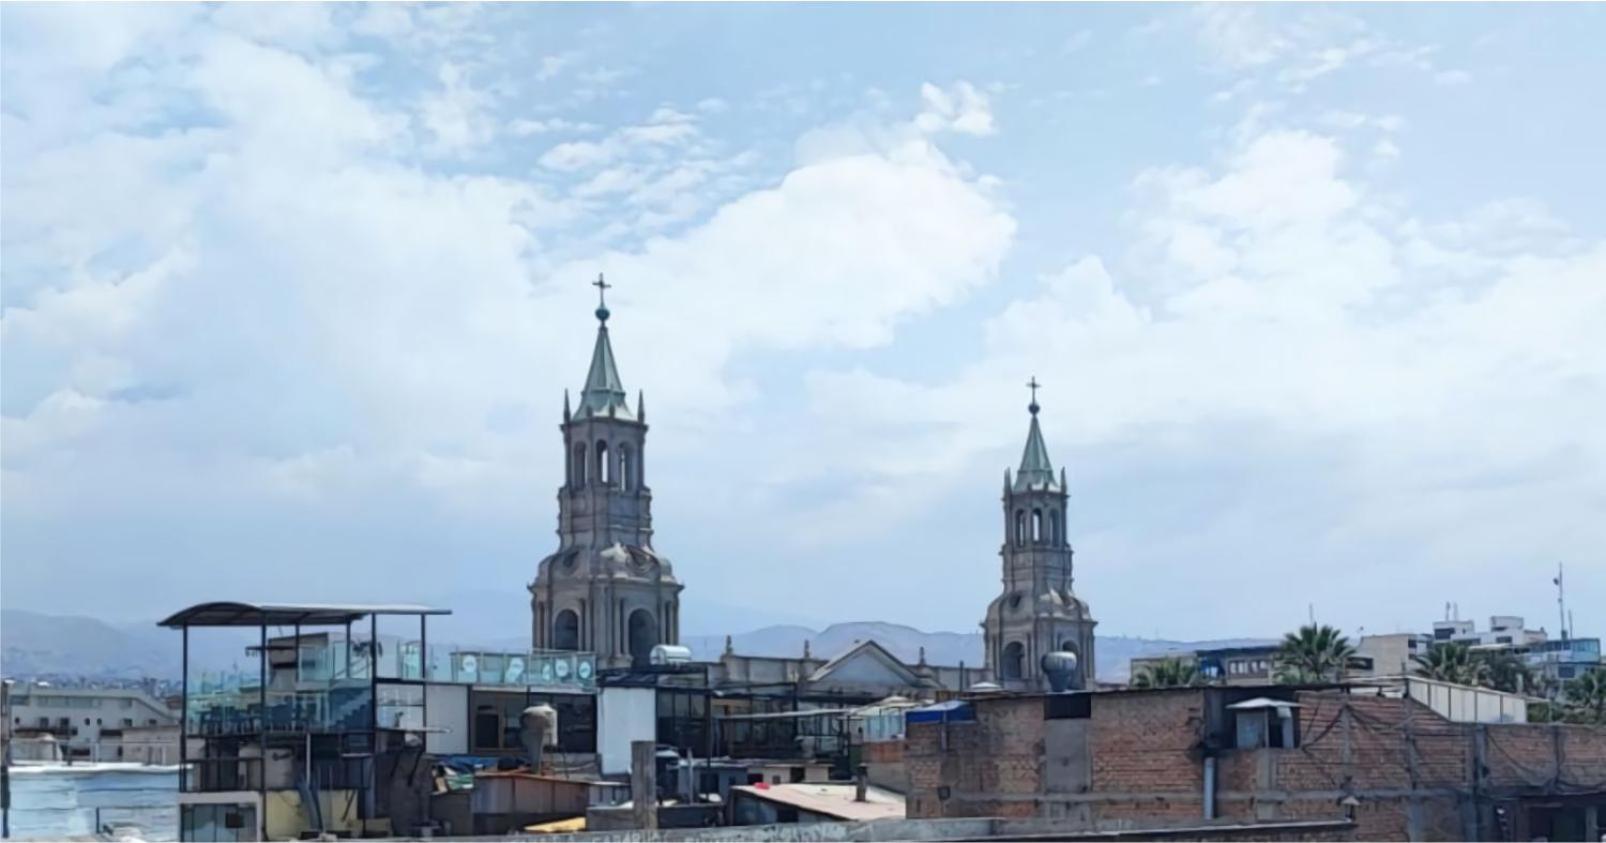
1036,471
604,394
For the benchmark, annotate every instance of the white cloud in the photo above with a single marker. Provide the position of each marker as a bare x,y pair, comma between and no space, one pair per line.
961,108
458,115
1271,293
525,127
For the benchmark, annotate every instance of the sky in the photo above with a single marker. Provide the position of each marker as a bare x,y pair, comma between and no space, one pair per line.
291,294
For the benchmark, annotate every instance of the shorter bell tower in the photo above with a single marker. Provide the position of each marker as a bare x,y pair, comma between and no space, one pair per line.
1038,612
605,589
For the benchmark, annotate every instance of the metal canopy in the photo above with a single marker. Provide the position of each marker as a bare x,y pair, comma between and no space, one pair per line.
288,614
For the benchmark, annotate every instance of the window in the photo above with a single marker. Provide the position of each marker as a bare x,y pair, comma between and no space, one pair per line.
566,631
128,722
496,725
604,468
488,728
625,481
643,635
1014,665
1037,525
1020,527
579,463
1054,527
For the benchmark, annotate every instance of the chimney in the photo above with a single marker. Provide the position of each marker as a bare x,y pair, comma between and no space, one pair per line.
861,782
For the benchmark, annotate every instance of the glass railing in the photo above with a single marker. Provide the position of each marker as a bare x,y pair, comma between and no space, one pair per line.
323,690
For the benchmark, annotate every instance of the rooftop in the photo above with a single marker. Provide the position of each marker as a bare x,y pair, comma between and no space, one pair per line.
832,800
225,613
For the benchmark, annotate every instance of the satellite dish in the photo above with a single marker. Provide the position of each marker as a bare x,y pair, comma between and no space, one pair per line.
1060,667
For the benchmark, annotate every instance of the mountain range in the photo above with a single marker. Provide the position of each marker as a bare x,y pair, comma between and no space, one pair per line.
36,644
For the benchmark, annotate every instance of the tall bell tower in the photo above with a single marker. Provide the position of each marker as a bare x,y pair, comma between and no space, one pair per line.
605,590
1038,612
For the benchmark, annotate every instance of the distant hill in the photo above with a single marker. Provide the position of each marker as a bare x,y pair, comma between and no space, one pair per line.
40,644
33,644
945,648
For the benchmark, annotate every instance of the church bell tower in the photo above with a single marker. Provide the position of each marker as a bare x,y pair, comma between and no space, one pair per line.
1038,612
605,590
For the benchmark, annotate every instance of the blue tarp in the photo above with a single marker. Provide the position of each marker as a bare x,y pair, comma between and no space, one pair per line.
952,711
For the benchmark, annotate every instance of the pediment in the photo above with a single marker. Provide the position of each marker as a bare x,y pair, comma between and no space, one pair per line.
867,664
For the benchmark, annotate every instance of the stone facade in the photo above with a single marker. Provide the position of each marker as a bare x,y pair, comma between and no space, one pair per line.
605,589
1038,611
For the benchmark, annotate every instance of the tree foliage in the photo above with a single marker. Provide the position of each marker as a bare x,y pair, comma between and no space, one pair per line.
1314,653
1168,673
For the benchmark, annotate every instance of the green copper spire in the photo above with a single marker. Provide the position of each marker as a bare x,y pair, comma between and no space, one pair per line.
1036,471
604,393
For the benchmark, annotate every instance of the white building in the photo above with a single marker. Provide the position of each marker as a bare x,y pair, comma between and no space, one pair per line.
91,722
1504,630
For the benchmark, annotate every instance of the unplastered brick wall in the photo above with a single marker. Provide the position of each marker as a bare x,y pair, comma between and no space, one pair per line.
1412,771
1142,742
1561,757
990,767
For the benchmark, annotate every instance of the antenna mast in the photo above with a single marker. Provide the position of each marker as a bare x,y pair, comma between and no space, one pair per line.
1561,601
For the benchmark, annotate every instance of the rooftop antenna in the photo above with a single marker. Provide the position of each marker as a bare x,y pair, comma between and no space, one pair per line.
1561,601
1311,608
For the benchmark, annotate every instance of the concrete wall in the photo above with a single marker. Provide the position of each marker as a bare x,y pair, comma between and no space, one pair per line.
624,715
287,818
953,829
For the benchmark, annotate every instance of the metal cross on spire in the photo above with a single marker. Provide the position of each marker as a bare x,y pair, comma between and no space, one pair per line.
1034,385
602,302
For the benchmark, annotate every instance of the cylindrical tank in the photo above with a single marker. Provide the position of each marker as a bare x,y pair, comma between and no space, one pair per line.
669,654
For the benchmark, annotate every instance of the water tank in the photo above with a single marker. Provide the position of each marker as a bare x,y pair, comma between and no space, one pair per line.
669,654
1060,668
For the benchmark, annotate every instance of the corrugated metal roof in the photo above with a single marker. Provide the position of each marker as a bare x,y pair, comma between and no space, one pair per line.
228,613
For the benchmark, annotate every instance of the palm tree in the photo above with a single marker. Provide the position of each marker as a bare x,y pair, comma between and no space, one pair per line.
1505,671
1452,662
1168,673
1586,696
1313,654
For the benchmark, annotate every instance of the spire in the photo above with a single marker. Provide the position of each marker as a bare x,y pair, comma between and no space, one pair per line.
604,393
1036,472
641,406
565,406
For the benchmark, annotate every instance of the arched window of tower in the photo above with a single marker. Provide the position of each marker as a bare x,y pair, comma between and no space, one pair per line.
1014,663
1020,527
604,468
1037,525
579,464
566,631
626,470
1054,527
643,636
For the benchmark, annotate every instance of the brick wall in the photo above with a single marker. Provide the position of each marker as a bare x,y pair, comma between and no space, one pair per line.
1412,771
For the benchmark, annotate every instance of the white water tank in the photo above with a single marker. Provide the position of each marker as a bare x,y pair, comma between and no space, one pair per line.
664,654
